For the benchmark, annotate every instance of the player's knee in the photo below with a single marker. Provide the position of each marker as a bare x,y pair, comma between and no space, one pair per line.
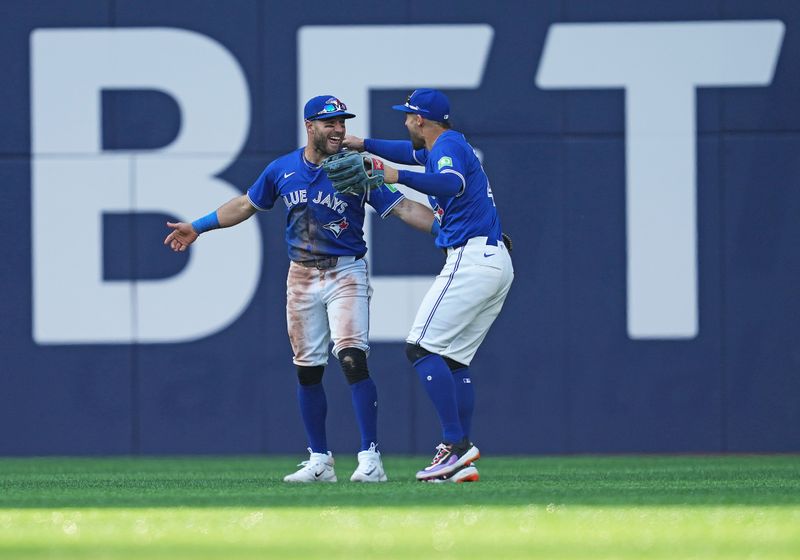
453,365
414,352
354,364
310,375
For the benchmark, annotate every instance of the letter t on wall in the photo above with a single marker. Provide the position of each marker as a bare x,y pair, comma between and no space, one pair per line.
659,65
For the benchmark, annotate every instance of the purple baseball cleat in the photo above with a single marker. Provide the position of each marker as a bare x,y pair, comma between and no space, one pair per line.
448,459
467,473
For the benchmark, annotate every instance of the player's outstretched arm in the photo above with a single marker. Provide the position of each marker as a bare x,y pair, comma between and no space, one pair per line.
414,214
229,214
398,151
235,211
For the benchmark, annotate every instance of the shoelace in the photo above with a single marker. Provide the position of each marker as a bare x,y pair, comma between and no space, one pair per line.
441,451
305,463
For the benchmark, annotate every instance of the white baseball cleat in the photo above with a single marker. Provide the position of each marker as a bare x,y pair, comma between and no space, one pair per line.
370,466
318,468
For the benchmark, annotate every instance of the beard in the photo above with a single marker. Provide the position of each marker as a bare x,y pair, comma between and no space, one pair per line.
320,144
417,141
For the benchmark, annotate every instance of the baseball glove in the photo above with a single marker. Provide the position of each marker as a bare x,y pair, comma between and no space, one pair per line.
353,173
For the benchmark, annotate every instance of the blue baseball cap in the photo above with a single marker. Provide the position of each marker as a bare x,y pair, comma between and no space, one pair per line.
325,107
429,103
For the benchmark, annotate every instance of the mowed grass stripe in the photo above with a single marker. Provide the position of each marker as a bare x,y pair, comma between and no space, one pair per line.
551,531
573,507
257,481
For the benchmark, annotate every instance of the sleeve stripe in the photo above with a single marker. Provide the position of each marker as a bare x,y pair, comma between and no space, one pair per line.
254,205
414,155
460,176
389,209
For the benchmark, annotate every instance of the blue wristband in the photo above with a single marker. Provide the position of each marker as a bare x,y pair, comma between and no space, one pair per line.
435,228
206,223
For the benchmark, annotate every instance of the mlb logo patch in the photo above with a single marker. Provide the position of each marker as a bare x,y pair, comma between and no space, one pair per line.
444,161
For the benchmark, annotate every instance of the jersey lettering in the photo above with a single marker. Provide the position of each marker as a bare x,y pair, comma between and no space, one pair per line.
300,196
295,197
331,202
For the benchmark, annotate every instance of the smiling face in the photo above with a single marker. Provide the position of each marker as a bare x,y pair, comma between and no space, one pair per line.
325,136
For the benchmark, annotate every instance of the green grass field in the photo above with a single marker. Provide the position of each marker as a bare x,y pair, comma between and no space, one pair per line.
233,508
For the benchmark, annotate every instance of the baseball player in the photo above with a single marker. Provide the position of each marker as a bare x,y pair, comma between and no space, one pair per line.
469,292
327,288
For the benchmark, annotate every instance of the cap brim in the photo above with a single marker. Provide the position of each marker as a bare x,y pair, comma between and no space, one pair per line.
404,109
325,116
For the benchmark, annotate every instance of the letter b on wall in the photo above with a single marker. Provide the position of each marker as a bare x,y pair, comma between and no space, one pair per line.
74,182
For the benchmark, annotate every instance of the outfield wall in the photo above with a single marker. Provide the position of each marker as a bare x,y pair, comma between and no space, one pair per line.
643,155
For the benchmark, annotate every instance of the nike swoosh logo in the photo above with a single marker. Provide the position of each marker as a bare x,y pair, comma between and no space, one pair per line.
372,470
319,474
287,175
488,254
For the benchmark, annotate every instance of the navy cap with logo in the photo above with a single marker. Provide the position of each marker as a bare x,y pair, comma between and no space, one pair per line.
429,103
325,107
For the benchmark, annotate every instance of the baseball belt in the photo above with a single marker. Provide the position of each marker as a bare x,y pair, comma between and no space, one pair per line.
322,263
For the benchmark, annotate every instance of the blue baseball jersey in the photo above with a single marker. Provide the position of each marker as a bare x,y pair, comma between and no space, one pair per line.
471,212
320,221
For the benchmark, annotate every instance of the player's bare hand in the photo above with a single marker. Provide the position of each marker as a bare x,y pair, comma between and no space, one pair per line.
353,143
390,174
181,236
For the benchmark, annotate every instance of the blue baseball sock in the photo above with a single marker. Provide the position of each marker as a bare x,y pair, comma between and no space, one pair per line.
314,409
365,403
465,395
438,382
